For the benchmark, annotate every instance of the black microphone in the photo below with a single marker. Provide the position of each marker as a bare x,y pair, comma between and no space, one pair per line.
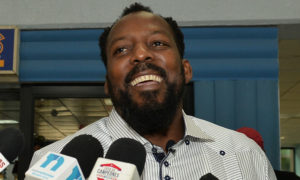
86,149
128,150
209,176
124,160
11,145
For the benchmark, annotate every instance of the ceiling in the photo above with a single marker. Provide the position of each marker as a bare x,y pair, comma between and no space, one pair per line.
57,118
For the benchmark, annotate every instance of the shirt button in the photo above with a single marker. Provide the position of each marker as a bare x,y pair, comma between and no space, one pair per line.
222,153
154,150
167,177
187,142
166,163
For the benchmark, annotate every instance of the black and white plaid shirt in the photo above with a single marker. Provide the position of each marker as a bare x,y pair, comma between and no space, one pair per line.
205,148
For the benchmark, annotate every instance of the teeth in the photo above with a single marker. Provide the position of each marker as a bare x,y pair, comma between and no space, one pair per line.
145,78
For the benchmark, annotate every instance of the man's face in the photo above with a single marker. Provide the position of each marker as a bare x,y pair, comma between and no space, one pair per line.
143,62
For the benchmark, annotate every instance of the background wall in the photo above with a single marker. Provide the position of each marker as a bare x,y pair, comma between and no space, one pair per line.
32,14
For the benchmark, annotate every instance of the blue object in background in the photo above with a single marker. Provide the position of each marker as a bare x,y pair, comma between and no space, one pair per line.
236,80
7,40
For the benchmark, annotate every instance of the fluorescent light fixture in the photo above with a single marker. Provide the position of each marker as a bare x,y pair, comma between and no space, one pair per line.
108,101
2,121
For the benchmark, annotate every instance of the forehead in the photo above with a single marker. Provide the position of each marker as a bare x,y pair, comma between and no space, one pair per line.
139,22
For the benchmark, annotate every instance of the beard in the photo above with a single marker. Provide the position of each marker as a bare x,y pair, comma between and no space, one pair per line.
151,117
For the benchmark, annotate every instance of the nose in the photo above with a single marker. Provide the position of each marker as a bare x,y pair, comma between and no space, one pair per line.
141,53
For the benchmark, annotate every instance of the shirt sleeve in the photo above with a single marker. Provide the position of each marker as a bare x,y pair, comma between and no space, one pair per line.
271,174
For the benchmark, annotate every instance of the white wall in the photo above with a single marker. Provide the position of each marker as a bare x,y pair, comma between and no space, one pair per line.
39,14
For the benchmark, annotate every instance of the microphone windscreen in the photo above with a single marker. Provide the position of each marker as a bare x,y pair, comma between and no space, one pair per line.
128,150
209,176
11,143
86,149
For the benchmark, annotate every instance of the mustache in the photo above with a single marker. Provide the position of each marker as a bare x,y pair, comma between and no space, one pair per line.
142,67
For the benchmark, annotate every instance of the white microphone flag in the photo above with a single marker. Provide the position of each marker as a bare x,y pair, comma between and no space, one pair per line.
54,166
3,162
106,169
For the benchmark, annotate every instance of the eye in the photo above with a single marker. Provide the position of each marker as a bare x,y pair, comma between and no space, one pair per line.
158,43
120,50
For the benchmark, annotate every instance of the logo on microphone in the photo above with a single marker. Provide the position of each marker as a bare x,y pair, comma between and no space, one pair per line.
108,171
53,158
75,174
2,163
56,163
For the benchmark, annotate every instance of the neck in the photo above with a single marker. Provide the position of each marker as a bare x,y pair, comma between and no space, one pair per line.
175,132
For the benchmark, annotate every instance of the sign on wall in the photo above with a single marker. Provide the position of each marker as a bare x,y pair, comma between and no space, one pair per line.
9,53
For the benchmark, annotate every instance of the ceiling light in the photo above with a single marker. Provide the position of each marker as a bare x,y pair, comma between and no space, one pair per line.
107,102
8,121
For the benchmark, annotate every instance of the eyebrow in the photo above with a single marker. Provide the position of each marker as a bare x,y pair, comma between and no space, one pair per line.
152,33
159,32
117,39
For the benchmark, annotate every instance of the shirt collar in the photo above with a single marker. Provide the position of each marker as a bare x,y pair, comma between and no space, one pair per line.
119,128
194,130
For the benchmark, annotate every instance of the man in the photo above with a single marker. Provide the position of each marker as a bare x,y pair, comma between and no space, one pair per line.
146,74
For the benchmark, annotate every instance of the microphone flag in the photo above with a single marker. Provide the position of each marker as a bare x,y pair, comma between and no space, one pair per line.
3,162
106,169
55,166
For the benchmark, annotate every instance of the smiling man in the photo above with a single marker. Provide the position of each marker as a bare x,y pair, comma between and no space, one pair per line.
146,75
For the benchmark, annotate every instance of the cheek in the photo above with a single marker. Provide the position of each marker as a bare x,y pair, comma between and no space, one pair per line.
117,71
172,64
169,58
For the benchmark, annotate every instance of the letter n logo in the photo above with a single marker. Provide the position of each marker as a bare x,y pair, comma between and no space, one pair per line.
75,174
53,157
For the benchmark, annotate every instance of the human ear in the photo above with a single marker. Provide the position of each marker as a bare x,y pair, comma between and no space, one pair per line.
106,91
188,72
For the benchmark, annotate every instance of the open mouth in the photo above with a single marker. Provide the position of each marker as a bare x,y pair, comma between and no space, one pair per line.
146,78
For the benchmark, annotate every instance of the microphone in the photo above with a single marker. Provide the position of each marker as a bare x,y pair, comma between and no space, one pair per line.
209,176
124,160
84,149
11,145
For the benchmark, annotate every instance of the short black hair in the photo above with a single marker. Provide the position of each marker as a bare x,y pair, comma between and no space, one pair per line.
137,7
